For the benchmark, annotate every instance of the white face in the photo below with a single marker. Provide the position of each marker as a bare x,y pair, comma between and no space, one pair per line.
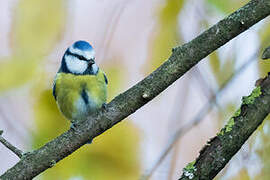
95,68
75,65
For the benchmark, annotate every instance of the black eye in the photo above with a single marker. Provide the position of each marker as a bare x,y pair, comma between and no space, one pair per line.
82,58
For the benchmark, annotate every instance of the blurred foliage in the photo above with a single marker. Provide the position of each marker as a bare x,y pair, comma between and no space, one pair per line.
167,33
264,149
116,74
227,6
222,72
225,112
243,175
15,71
37,24
48,120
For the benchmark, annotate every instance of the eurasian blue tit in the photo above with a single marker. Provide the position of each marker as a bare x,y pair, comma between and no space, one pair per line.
80,86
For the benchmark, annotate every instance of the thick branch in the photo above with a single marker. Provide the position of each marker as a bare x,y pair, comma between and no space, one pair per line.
220,149
8,145
182,59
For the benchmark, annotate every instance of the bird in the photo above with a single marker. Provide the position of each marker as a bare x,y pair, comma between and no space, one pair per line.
80,86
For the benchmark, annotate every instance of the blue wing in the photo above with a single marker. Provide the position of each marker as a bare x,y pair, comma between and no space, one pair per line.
54,87
105,78
54,91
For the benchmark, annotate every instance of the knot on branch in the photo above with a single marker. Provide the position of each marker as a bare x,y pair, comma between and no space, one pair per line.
146,95
52,163
174,49
266,53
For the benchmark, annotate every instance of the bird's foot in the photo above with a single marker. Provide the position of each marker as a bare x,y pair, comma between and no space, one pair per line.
89,141
26,154
73,126
104,106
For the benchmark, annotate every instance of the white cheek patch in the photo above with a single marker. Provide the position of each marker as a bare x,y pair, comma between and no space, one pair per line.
95,68
75,65
86,54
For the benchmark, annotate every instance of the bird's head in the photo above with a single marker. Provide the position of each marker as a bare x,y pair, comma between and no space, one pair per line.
79,59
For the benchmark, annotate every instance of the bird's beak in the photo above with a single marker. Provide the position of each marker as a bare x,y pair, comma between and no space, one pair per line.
91,61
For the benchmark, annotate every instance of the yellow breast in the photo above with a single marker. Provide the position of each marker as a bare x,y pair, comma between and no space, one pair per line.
79,95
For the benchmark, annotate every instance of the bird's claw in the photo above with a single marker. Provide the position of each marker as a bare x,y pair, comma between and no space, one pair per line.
104,106
73,126
90,141
26,154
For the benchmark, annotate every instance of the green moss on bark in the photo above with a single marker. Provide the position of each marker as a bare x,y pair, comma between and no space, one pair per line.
189,170
251,98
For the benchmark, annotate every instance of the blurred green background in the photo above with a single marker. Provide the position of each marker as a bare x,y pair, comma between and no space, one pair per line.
131,38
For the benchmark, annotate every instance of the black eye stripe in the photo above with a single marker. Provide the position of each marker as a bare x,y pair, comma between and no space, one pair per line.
76,55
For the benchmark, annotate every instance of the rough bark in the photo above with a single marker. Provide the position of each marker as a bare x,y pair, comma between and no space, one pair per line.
182,59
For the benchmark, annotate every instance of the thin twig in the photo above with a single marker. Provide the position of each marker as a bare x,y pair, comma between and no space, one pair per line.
179,107
198,118
173,161
203,84
8,145
208,92
8,122
115,20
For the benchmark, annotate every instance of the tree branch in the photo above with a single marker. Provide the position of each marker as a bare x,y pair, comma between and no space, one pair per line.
8,145
200,115
220,149
196,119
182,59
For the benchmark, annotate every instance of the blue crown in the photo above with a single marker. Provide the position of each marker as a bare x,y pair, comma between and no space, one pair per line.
82,45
